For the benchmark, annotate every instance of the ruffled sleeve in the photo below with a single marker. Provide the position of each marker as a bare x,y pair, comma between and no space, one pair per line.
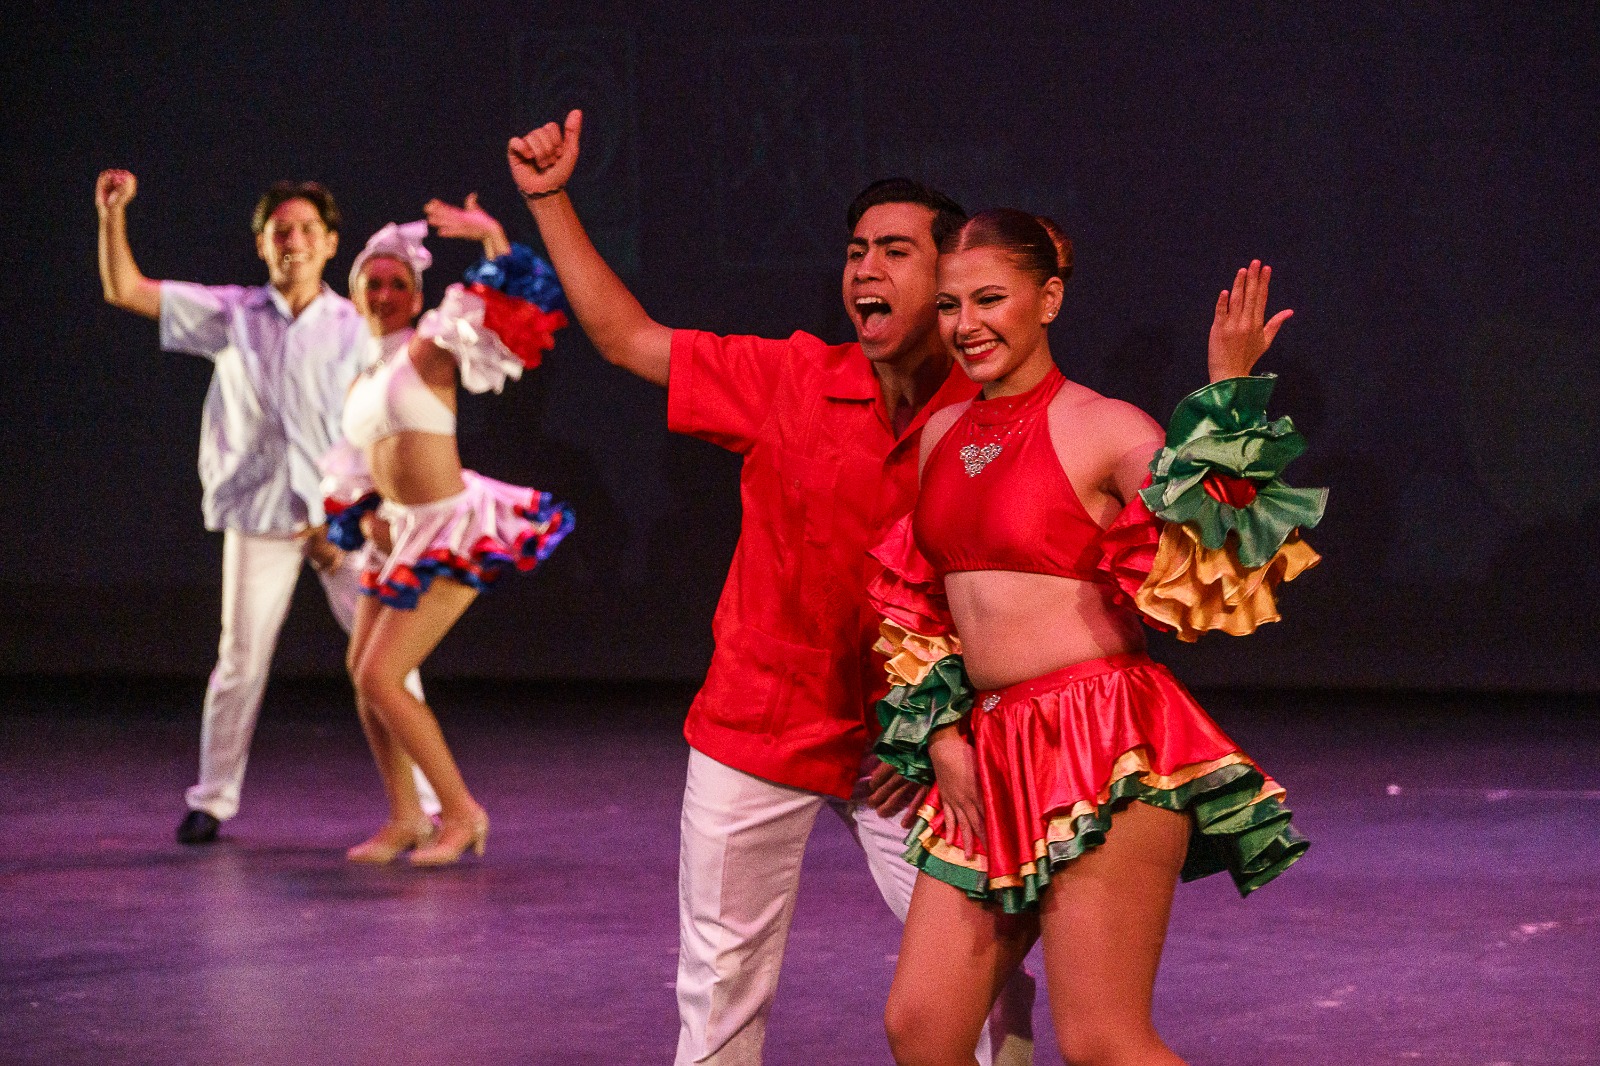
928,682
1214,532
910,714
347,493
907,590
1219,471
501,321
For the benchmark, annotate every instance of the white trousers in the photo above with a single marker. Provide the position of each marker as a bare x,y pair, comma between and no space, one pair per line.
742,842
258,579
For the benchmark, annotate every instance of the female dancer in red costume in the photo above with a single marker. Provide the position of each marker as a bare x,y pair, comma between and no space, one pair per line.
1033,831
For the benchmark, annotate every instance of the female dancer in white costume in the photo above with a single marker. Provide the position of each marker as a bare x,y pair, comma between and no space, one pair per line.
431,534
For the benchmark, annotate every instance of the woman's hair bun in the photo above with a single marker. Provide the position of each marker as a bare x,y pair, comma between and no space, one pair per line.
1063,243
1036,243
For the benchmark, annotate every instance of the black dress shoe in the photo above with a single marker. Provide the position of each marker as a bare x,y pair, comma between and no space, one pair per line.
197,827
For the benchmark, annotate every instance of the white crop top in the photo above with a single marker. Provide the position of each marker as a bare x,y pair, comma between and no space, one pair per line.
390,397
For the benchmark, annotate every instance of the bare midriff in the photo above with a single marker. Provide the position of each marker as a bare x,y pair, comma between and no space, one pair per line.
1028,625
413,468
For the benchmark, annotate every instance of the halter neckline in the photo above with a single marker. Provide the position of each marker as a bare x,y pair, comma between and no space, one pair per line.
1003,409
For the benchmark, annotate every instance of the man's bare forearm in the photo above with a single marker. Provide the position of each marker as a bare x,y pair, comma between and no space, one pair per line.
616,323
120,279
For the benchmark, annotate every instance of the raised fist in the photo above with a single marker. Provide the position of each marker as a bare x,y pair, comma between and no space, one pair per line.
113,189
542,161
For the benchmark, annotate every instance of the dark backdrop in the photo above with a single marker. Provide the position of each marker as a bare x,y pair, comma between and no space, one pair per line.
1421,176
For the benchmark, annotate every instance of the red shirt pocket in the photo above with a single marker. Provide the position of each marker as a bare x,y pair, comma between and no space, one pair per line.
755,677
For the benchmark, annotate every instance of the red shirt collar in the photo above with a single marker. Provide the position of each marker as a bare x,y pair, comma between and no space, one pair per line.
853,379
957,388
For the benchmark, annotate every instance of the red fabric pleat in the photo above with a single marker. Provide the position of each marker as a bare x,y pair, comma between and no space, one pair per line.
906,589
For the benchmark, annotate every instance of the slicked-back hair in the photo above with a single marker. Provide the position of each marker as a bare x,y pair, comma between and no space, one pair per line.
1038,244
281,192
947,214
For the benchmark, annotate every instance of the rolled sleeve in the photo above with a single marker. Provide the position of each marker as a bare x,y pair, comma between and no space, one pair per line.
721,389
194,318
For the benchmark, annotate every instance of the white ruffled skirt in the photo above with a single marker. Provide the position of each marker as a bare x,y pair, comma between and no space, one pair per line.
473,537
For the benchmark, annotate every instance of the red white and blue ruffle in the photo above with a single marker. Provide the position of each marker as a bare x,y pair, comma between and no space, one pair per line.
501,321
474,537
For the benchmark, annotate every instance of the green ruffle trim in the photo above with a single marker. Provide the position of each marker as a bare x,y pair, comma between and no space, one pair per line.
1223,428
1251,840
909,715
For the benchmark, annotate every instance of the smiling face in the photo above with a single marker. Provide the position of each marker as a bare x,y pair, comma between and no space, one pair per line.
889,280
386,294
295,245
992,317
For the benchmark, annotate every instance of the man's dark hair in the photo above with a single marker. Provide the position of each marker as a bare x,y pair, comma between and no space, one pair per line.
282,192
947,214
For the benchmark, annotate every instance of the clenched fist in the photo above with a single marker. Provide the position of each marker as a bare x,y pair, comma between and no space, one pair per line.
113,189
542,161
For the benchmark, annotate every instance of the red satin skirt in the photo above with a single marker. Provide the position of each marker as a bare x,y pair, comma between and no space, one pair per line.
1058,755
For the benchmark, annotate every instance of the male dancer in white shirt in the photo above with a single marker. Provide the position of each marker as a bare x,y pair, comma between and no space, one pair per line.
285,354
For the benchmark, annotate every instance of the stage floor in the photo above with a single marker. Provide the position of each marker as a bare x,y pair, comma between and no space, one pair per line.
1456,922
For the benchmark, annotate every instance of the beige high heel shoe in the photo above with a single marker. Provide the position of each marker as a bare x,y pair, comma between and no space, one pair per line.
453,839
387,843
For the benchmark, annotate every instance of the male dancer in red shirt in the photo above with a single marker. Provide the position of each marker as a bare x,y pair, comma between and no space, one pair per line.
829,435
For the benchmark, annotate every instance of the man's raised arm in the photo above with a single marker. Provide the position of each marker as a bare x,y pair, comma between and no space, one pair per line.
617,324
123,284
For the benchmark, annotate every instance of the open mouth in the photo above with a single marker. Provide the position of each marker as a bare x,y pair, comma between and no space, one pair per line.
872,310
977,349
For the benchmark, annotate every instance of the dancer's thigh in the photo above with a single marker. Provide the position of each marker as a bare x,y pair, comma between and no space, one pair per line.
400,640
742,842
258,579
362,624
955,956
1104,921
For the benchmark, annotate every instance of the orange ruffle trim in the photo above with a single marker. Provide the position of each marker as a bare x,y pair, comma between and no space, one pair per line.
1194,589
910,654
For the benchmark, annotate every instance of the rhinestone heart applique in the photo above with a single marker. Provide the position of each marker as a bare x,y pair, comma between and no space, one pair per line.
990,701
975,458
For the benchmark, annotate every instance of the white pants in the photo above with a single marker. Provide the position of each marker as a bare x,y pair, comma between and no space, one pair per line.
258,579
738,873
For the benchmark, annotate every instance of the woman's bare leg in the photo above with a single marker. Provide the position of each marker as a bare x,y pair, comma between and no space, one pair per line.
1104,921
955,956
394,765
398,643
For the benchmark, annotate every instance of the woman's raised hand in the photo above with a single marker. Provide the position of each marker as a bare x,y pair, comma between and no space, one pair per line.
1240,334
542,161
469,220
113,189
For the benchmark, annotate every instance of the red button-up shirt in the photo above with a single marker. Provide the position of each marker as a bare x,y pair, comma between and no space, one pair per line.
793,676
